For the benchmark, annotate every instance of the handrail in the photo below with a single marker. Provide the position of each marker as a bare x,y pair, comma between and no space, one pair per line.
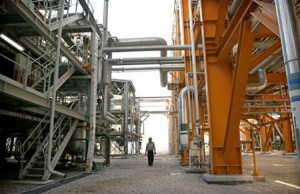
22,151
5,57
58,124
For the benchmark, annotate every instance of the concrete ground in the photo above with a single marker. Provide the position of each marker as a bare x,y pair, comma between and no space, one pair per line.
133,175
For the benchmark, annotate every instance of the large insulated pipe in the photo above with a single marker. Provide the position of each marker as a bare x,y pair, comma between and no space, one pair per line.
145,60
265,64
147,63
144,41
54,88
148,48
104,40
105,68
290,42
164,67
148,41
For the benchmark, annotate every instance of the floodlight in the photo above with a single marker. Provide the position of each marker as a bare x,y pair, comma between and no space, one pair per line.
12,42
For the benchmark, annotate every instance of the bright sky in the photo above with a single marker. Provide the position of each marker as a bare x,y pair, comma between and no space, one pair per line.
136,19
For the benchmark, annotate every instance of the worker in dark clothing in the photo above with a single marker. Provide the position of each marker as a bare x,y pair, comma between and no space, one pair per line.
150,151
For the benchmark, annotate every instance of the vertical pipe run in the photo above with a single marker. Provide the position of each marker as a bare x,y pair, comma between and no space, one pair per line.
194,72
181,25
187,81
92,100
104,39
105,21
176,107
55,81
255,171
126,119
107,69
289,36
138,126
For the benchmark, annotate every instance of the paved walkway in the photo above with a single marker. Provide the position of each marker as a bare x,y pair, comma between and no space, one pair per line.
167,176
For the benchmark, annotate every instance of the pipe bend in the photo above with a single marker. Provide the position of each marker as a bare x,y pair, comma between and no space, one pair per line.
55,172
107,146
180,102
145,41
261,83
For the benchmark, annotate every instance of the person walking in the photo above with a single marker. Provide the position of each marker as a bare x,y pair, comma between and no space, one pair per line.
150,151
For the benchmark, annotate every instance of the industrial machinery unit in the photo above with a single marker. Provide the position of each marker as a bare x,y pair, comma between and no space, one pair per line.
234,77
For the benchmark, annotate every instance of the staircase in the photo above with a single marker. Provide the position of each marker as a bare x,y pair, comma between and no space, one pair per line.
38,140
45,83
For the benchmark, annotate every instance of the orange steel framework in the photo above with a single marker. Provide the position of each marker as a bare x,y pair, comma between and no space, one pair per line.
233,45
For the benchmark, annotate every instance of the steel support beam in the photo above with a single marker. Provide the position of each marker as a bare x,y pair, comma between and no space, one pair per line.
257,59
16,90
66,21
62,80
287,132
240,77
221,20
231,35
90,17
269,22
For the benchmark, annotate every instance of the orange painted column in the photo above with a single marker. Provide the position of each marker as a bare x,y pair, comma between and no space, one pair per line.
287,134
201,122
268,139
218,104
264,138
248,145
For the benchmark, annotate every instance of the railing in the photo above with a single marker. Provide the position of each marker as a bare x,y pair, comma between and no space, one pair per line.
116,146
36,135
25,71
46,11
60,131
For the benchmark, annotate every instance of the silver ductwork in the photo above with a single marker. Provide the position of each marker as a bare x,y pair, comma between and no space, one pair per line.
252,87
148,41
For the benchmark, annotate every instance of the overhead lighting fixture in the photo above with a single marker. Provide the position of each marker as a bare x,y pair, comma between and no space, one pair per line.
11,42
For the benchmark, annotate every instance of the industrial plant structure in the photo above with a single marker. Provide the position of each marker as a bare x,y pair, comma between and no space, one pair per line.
234,74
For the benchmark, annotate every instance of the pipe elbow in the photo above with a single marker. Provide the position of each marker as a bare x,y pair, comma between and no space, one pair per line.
260,84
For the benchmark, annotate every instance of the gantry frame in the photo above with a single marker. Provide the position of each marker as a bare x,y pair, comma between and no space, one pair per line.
236,47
